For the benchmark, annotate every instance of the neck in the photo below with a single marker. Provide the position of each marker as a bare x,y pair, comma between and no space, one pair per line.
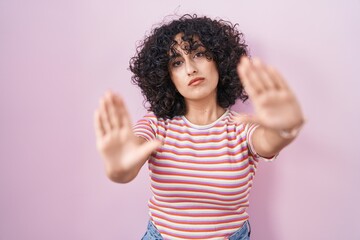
203,112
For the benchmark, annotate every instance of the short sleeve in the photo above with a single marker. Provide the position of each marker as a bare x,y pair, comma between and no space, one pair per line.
250,130
146,127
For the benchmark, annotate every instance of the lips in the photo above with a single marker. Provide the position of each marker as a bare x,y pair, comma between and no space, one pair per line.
196,81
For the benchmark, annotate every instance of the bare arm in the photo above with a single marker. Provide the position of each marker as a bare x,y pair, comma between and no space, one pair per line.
123,153
277,110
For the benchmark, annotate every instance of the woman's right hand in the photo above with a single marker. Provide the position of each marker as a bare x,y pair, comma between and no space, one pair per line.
124,153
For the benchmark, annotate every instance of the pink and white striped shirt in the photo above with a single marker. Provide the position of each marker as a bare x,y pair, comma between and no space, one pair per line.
200,177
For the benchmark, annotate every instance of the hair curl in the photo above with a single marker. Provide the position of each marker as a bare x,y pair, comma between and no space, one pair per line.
223,43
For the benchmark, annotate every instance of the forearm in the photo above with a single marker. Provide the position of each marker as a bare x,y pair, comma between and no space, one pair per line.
120,171
124,168
268,142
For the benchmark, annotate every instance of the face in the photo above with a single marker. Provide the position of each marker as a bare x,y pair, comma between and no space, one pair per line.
193,74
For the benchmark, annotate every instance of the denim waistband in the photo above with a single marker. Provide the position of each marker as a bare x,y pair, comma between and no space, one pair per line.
242,233
152,233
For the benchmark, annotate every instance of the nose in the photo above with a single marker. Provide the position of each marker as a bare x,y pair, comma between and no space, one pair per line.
190,68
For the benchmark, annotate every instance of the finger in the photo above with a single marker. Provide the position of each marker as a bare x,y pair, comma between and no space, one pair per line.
99,130
104,116
124,115
255,75
249,78
242,69
113,115
263,74
148,147
277,78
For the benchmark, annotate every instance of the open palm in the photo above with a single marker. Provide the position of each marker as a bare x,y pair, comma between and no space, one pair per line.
275,105
114,136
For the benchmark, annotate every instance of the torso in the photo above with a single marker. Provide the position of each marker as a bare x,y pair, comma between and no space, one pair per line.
200,178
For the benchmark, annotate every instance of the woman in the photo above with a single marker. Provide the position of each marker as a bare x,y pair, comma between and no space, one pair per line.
202,156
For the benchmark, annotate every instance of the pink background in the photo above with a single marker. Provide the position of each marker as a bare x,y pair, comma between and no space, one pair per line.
58,57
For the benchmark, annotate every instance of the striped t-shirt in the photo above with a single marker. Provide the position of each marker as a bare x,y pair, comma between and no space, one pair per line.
200,177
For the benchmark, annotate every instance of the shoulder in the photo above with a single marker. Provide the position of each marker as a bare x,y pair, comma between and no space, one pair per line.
148,118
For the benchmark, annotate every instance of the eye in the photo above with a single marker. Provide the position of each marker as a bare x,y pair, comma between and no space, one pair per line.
199,54
176,63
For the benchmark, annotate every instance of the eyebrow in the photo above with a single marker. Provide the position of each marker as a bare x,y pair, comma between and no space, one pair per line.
174,53
172,56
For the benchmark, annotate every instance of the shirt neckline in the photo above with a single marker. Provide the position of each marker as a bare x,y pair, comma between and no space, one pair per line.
196,126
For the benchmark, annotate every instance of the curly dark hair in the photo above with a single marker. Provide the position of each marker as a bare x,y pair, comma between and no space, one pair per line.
224,44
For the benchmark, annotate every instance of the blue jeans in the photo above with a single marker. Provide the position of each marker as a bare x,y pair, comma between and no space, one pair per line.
242,233
152,233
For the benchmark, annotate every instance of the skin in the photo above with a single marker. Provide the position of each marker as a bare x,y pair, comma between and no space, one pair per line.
275,108
124,154
200,100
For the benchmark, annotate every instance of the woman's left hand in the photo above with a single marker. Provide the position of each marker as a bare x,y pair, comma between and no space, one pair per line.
275,105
